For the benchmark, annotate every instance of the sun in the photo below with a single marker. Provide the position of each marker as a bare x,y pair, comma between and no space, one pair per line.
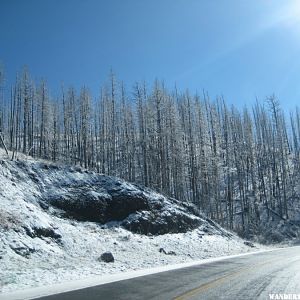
283,14
290,14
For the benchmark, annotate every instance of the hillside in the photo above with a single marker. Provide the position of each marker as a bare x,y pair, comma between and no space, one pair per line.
55,222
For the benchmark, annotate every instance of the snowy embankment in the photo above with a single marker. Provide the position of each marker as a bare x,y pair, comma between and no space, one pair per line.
55,222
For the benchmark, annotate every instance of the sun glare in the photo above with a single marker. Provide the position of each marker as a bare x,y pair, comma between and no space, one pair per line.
286,15
291,14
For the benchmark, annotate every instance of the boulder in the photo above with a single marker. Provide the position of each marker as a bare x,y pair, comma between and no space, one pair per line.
249,244
107,257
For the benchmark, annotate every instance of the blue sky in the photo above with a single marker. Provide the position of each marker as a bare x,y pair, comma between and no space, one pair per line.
238,48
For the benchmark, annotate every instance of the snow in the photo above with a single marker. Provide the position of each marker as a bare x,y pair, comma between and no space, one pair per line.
33,293
38,247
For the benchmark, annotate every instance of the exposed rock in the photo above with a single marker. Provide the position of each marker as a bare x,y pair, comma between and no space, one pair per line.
162,250
42,231
138,209
22,250
156,222
46,232
98,206
93,197
107,257
249,244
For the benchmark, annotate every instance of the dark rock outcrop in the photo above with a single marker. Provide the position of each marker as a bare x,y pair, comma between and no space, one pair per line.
98,206
87,196
161,221
137,210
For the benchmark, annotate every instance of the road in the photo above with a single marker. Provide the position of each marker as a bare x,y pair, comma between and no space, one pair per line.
247,277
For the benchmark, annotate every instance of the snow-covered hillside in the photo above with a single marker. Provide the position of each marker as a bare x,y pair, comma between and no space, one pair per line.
55,222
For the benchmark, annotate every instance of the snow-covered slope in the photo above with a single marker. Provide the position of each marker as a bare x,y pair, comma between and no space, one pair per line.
55,222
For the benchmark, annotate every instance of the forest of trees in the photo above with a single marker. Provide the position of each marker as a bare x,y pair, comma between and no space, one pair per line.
231,163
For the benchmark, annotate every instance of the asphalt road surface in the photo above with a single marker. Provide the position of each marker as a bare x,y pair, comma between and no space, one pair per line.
247,277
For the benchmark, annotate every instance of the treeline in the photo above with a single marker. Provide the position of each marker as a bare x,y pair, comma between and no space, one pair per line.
232,164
